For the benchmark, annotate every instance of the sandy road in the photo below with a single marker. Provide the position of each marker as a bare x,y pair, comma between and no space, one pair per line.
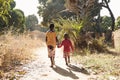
40,68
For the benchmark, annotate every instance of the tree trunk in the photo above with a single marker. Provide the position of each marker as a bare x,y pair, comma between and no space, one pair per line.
112,16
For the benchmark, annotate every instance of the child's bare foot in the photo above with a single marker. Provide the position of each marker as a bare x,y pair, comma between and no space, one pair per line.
67,64
53,66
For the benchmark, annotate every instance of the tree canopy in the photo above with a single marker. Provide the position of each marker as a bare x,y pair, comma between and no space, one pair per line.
49,9
31,22
10,16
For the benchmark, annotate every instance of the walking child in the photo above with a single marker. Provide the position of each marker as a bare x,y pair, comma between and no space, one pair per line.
68,48
51,40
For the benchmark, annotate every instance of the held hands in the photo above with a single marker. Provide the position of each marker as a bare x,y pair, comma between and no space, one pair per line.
58,45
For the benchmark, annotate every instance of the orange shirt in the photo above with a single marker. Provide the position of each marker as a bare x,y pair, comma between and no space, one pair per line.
51,38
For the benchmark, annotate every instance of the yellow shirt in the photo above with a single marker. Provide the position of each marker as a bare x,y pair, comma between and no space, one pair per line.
51,38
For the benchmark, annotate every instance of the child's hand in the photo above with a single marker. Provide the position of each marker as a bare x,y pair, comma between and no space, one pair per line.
57,46
71,52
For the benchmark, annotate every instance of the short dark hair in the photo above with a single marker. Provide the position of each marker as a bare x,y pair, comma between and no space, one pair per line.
66,36
51,26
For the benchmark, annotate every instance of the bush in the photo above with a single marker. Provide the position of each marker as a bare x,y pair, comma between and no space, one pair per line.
92,44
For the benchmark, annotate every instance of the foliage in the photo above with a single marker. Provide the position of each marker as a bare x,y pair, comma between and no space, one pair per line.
4,9
98,45
89,9
70,26
49,9
105,23
17,19
91,42
31,22
83,40
86,10
105,4
10,16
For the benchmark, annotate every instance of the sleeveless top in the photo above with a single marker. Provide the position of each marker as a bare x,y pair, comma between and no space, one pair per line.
51,38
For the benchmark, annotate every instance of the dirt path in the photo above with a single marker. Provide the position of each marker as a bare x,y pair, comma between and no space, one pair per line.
40,68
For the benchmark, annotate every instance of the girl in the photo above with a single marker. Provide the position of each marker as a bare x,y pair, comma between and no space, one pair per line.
51,40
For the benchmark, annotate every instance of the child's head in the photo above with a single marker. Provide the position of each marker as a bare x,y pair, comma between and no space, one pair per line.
51,27
66,36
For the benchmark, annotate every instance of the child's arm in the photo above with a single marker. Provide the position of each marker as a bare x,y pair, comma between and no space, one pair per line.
60,45
71,46
46,38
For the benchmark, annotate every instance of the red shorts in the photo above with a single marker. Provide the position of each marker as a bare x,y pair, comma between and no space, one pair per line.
66,54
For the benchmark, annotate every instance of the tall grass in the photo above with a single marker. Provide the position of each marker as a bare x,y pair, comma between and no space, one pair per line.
16,49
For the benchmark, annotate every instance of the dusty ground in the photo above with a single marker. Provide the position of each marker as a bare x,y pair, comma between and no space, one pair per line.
40,68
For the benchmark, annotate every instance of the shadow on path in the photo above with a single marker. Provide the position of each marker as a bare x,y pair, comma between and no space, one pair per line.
64,72
78,69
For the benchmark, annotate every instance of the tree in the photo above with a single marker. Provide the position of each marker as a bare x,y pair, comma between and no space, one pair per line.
106,5
31,22
49,9
5,7
17,18
10,16
85,9
105,23
88,9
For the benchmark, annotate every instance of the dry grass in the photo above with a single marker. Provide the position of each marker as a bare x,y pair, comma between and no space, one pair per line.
104,64
16,50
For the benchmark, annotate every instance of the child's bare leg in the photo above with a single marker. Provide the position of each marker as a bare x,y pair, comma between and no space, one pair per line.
66,61
51,61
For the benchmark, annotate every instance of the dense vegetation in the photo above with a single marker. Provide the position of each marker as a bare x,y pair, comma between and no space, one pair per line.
79,18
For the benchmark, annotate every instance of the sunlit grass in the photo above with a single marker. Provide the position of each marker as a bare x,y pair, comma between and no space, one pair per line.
101,64
16,50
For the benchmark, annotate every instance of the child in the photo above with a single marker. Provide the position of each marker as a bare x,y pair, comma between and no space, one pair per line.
51,40
68,47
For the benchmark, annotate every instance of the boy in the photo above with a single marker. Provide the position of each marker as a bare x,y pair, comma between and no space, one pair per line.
68,47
